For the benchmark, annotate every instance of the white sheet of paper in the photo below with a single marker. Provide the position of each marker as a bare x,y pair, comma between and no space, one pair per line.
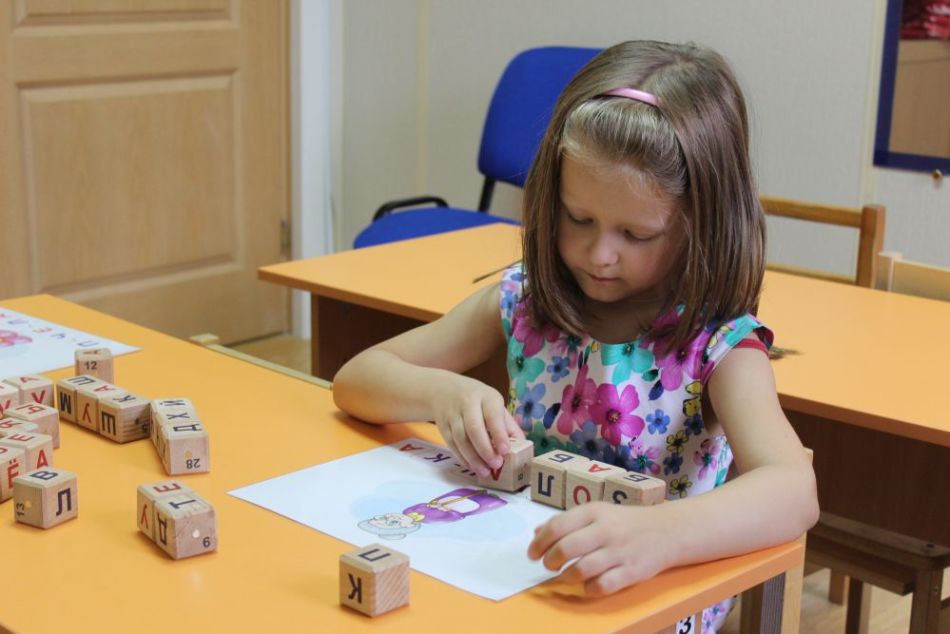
29,345
481,549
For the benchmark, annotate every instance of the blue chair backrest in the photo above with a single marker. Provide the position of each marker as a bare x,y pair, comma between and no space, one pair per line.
521,107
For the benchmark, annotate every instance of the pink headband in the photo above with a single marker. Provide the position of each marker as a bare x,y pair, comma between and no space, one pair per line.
636,95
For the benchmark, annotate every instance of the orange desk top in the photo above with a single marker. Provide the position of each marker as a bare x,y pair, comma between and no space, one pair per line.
867,357
97,573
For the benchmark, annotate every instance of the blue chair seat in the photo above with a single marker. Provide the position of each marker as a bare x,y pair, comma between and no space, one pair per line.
415,223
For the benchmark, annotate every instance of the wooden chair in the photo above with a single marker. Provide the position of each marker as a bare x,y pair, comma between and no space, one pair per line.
891,561
868,220
896,274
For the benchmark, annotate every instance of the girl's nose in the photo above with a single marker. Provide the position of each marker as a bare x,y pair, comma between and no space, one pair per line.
602,251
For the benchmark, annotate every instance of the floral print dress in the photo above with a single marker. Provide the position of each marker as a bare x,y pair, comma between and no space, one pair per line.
623,404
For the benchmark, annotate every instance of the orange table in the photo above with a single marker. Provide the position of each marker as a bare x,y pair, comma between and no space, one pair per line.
97,573
869,359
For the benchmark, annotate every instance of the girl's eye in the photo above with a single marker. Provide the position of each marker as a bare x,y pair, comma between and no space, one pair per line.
579,221
632,238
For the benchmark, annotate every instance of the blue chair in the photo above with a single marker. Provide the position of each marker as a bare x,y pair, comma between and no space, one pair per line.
517,118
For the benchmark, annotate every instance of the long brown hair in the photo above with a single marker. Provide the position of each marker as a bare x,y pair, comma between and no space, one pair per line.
695,147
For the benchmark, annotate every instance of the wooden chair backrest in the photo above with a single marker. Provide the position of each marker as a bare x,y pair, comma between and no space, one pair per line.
868,220
896,274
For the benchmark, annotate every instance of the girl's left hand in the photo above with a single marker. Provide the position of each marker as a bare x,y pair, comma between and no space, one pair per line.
615,546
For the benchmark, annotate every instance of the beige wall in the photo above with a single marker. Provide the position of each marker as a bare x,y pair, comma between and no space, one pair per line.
418,75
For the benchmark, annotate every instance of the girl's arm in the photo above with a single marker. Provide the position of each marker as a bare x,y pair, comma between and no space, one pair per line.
773,500
414,376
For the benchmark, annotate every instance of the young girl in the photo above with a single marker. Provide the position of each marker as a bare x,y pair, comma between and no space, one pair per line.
630,328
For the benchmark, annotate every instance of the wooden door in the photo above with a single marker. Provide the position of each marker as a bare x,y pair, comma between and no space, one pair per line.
144,158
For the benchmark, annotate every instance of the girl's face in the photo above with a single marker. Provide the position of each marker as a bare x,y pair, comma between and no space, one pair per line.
618,234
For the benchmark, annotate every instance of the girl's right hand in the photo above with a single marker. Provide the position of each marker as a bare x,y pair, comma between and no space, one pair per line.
475,424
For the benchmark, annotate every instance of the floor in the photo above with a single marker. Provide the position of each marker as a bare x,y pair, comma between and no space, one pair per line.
890,613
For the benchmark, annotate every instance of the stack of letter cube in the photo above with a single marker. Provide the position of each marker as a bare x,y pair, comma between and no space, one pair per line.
103,408
179,437
565,480
43,495
177,519
172,424
29,429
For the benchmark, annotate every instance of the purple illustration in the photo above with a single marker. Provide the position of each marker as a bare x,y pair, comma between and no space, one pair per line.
449,507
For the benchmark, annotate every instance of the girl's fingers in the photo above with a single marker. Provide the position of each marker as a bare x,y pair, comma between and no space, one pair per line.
573,545
497,426
612,580
466,451
475,430
557,527
589,566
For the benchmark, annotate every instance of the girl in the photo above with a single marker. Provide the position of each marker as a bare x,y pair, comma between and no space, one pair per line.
630,328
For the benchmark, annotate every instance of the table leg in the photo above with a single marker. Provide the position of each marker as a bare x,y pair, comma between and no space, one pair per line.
925,607
762,607
859,607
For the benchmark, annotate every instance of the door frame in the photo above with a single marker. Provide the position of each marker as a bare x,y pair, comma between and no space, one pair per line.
315,104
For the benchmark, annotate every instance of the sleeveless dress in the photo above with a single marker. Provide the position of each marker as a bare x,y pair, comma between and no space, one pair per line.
624,403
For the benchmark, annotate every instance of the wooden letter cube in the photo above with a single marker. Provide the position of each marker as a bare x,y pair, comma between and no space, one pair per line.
45,417
9,397
10,426
37,448
585,482
548,475
45,497
66,395
87,402
374,579
96,362
185,526
170,409
33,388
515,471
147,495
634,489
124,418
185,448
12,465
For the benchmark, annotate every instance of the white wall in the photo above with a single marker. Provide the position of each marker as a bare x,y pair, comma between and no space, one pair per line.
418,75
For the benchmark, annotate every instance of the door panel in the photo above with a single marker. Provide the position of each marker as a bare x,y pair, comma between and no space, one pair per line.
145,166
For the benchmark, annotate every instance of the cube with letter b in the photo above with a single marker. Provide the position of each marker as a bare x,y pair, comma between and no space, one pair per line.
374,579
634,489
584,482
45,497
548,476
